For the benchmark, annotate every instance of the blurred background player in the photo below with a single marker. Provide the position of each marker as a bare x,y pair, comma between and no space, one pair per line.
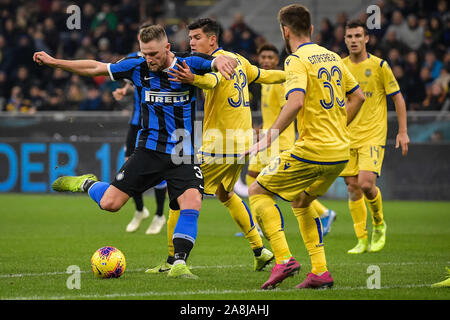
141,212
226,108
368,137
272,101
152,161
316,84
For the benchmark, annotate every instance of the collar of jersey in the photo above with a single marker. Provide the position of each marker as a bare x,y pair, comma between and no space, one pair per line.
304,44
172,65
219,48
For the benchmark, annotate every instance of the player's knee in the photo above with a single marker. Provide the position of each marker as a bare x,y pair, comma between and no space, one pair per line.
254,189
190,199
367,186
109,204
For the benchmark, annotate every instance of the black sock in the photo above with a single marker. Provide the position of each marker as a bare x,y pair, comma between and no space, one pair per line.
87,184
160,195
182,248
170,259
258,251
139,202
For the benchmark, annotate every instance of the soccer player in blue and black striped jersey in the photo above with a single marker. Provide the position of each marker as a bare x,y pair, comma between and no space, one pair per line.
166,137
134,122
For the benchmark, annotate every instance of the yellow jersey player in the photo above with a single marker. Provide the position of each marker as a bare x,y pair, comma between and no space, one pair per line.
317,83
368,136
227,132
272,100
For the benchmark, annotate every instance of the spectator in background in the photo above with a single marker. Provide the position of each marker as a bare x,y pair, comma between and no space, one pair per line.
415,91
411,34
394,57
228,41
92,101
105,16
398,25
37,97
390,41
4,90
51,35
435,98
433,64
18,103
6,56
338,44
326,32
107,102
23,81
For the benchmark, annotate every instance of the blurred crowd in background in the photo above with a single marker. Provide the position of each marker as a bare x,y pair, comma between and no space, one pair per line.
415,44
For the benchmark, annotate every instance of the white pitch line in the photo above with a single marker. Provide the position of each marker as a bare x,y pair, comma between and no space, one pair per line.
20,275
200,293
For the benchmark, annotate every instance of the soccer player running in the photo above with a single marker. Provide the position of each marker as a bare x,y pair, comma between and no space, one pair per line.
368,137
141,212
227,132
272,101
168,109
317,83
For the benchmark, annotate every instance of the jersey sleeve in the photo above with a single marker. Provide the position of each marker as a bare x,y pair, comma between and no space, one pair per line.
350,83
207,81
123,69
296,75
271,76
200,63
390,84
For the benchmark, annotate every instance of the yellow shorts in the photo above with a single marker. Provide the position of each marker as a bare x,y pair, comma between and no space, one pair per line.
288,176
215,174
365,158
262,159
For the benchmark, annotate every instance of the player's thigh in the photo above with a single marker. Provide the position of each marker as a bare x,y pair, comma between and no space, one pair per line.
142,170
287,177
181,178
371,158
328,174
216,175
351,169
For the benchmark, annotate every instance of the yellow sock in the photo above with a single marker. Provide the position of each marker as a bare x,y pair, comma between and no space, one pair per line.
320,208
271,222
171,223
249,180
312,234
244,219
376,208
358,211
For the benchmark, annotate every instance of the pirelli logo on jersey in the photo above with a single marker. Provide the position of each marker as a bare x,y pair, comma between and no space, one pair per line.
166,97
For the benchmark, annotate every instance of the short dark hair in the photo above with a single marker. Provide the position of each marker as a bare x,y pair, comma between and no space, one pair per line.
153,32
209,26
356,24
267,47
297,18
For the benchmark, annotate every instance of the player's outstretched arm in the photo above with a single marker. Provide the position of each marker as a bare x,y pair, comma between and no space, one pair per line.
184,74
402,139
119,93
354,103
90,68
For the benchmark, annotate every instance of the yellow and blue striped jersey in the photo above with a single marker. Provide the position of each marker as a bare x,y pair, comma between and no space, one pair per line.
272,100
322,121
227,123
377,81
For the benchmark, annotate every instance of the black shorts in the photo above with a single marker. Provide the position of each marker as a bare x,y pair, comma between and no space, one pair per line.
131,139
147,168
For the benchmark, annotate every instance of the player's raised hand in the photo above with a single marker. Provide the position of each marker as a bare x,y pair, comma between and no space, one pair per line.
225,65
183,74
42,58
119,93
402,140
262,144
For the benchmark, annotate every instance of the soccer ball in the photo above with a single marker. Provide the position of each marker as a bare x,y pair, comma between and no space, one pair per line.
108,262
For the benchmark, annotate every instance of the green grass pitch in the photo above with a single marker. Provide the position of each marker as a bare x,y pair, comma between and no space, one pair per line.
42,235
